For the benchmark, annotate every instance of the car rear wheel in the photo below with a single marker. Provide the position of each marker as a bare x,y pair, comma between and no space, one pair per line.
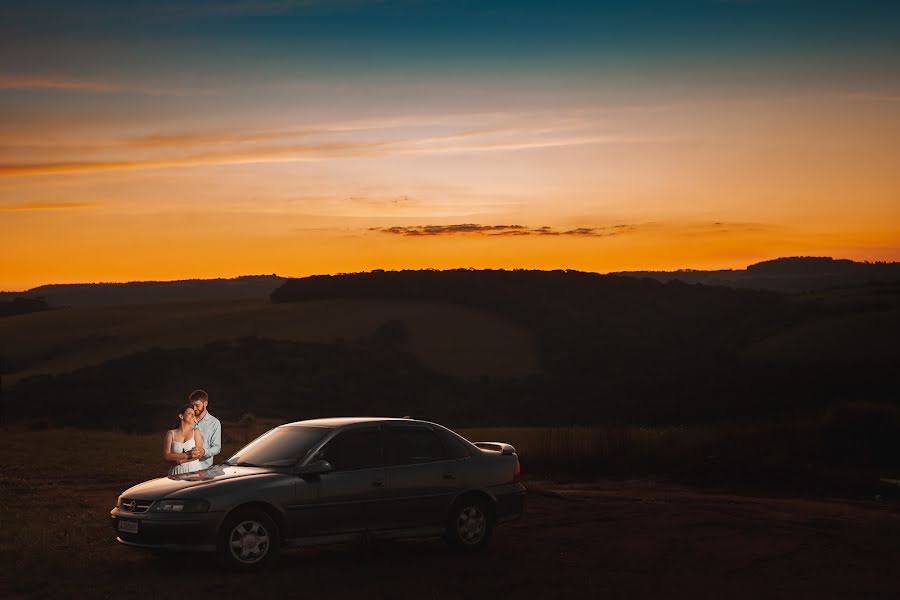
470,525
248,540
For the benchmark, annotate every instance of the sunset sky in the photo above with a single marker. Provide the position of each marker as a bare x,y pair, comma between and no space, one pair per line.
173,139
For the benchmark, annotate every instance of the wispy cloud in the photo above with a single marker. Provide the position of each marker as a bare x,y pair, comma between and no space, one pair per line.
185,139
55,12
464,228
294,153
289,145
204,138
666,229
228,8
499,146
723,228
502,230
35,206
446,125
875,97
92,86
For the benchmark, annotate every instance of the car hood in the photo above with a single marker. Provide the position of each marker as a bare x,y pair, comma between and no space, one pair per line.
155,489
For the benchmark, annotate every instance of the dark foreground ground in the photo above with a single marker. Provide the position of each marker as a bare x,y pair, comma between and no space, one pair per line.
631,539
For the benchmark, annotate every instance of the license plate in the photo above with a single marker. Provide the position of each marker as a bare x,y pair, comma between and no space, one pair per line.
128,526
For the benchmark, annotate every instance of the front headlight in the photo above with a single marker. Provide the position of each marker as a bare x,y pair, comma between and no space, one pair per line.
180,506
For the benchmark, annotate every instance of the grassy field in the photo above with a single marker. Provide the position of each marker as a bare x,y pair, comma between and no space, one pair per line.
40,468
57,486
447,338
628,537
54,486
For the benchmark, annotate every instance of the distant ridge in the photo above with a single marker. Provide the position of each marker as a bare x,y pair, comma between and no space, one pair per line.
790,274
152,292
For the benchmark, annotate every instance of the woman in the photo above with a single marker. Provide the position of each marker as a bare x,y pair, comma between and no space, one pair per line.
183,443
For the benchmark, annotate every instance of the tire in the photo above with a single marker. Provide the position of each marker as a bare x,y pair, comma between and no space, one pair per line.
470,525
248,540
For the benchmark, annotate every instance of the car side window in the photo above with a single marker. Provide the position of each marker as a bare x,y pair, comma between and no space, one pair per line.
353,450
412,445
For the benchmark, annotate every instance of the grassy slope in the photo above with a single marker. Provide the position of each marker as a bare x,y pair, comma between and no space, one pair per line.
447,338
868,336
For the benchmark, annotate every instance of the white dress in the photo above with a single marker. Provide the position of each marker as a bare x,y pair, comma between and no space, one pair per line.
186,467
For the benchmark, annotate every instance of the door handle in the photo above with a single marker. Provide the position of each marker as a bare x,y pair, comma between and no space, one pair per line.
378,483
449,476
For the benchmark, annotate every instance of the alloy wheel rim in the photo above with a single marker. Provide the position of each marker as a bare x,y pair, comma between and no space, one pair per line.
471,524
249,542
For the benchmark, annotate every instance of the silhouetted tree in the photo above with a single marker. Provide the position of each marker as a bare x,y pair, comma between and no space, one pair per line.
22,305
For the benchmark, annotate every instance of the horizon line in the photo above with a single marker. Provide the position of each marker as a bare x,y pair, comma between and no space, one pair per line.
339,273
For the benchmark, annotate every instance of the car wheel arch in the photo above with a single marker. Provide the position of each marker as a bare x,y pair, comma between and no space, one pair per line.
481,496
275,514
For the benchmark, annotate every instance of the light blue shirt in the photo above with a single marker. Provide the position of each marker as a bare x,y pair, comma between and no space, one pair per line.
211,430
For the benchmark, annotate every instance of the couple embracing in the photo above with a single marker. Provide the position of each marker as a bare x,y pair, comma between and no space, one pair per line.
192,445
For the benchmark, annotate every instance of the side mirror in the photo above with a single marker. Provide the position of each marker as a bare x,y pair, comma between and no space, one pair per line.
317,467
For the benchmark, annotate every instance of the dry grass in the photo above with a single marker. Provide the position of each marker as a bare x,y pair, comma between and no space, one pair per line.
57,486
601,449
51,483
844,450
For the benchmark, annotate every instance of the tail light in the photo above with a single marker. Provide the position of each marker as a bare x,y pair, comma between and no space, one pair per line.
518,474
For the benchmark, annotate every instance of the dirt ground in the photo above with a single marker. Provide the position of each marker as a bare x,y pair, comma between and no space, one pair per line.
627,539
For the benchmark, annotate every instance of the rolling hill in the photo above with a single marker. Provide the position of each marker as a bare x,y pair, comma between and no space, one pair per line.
151,292
473,347
834,340
790,274
449,339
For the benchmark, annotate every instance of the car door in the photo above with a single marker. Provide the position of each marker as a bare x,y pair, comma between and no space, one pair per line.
422,479
357,477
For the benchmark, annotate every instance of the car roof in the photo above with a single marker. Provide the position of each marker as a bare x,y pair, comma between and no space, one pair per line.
334,422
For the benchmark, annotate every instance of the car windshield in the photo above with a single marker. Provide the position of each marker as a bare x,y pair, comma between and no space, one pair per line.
279,447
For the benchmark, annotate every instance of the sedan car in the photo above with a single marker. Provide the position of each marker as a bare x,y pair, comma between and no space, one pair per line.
329,480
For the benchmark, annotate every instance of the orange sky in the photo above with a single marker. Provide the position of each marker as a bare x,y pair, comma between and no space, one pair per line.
114,172
699,186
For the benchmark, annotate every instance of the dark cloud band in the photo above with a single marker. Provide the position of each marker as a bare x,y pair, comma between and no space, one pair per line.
494,230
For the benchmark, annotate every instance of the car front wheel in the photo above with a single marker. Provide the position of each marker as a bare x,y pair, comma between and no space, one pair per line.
248,539
470,525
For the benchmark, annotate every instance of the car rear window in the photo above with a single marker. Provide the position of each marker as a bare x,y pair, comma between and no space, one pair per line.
412,445
454,446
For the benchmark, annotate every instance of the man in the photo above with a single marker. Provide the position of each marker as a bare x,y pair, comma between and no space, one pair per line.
209,426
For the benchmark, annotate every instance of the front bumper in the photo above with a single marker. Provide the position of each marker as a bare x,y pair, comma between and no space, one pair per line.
510,501
185,532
